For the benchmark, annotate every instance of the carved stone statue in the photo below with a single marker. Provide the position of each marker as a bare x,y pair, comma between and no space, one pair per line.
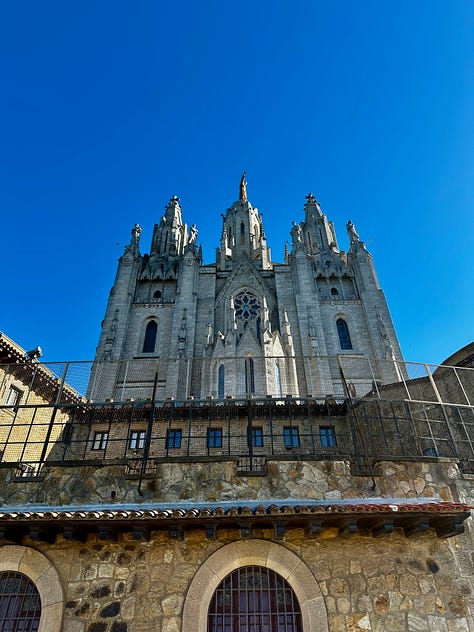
182,336
193,231
210,334
296,233
243,188
351,231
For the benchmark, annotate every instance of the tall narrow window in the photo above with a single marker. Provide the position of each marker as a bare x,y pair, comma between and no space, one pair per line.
278,390
343,331
242,233
20,603
254,598
221,382
257,437
249,376
150,337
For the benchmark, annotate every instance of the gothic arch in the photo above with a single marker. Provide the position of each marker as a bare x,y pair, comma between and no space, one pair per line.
260,553
149,335
42,573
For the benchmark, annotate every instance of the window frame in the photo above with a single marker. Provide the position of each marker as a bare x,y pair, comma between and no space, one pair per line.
14,604
327,436
291,436
254,597
136,439
100,440
174,438
257,437
150,336
344,335
214,437
17,393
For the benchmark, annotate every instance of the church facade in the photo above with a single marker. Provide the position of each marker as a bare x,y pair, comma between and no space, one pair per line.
251,326
249,454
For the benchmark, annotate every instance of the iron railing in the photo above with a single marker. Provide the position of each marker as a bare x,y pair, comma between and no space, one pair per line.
426,413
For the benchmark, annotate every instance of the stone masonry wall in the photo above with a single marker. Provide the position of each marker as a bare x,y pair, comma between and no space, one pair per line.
212,481
390,583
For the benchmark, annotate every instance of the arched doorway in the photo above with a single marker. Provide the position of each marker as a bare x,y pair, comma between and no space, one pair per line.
251,599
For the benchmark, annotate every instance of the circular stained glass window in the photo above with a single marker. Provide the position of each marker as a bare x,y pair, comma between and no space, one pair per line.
247,306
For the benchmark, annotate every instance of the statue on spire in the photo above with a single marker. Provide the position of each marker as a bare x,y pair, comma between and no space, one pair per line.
243,188
351,231
136,232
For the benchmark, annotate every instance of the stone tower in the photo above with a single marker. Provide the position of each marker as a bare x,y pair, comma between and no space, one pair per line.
245,325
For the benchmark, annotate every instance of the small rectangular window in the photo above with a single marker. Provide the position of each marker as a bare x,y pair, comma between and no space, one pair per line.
13,396
137,440
327,436
214,437
257,437
291,437
173,438
100,440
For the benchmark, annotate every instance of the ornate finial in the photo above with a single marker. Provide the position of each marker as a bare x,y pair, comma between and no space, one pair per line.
311,202
243,188
174,201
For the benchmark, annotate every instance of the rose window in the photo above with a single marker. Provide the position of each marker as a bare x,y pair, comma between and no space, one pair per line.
246,306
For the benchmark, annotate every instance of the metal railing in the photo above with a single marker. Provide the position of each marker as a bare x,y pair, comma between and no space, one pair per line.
426,413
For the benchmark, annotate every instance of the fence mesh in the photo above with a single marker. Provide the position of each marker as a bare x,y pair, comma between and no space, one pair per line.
143,410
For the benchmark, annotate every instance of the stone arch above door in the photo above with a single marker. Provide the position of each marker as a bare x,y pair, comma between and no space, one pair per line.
259,553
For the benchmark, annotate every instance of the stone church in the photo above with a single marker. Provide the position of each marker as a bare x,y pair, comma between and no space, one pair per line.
253,326
247,452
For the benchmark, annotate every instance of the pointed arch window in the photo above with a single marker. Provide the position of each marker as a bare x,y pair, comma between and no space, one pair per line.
20,603
249,376
150,337
242,233
221,382
343,332
254,598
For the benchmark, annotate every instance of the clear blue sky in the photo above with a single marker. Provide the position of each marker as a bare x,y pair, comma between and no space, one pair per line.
109,108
